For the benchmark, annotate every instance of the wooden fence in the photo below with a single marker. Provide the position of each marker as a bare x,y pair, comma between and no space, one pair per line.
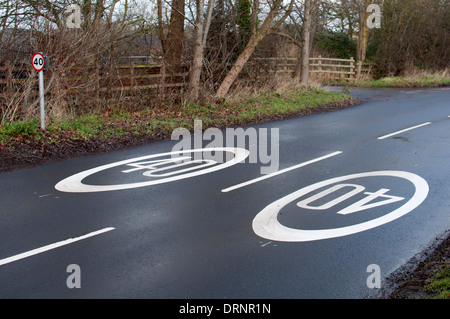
321,68
93,79
127,79
13,76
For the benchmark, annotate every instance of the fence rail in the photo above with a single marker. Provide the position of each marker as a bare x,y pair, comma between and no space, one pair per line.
323,68
124,78
133,77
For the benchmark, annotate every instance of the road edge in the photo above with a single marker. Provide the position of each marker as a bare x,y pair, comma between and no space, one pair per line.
392,283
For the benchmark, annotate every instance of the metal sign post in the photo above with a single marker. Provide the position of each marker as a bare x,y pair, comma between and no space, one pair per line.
41,98
39,63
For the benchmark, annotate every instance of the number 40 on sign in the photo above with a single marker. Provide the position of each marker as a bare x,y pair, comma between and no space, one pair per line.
40,63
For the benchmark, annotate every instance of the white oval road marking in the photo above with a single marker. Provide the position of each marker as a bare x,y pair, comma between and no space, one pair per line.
74,184
266,224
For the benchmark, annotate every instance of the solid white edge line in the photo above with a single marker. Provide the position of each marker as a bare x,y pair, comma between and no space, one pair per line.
231,188
52,246
406,129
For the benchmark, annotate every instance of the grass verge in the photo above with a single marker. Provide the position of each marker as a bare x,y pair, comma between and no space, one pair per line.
439,284
428,279
414,81
405,82
24,143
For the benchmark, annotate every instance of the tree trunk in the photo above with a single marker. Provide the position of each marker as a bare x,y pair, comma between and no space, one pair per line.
162,37
207,22
237,67
201,33
197,57
302,68
222,34
363,35
99,9
174,40
266,28
305,44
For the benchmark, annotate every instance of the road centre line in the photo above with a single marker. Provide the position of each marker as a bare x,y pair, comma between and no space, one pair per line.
52,246
406,129
231,188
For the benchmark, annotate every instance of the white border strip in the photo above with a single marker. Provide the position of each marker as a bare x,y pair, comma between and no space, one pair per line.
231,188
406,129
52,246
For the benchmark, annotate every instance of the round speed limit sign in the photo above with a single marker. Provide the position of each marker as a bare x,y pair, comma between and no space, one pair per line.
38,62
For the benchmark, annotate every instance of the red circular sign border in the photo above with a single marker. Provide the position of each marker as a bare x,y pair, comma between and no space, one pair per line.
32,58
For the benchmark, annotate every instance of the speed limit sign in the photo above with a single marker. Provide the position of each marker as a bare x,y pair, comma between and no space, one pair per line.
38,62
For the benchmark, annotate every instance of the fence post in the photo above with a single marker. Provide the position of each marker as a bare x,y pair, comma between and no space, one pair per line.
97,83
162,70
319,67
132,76
352,68
359,69
8,78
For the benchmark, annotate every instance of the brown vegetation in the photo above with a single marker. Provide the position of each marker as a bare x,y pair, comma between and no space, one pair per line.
200,48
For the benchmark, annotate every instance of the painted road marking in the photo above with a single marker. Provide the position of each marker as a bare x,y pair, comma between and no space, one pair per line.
45,195
356,207
266,225
74,184
406,129
231,188
269,242
52,246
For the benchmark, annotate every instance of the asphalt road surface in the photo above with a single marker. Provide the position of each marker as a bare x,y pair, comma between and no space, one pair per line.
351,196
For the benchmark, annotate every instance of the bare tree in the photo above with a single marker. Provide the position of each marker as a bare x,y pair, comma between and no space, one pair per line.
302,68
414,35
201,33
174,42
270,24
39,25
363,34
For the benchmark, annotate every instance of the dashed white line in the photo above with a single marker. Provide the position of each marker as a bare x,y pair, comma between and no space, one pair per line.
231,188
52,246
406,129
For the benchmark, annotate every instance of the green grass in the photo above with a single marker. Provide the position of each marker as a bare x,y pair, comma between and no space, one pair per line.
25,128
290,102
86,126
405,82
439,285
160,122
